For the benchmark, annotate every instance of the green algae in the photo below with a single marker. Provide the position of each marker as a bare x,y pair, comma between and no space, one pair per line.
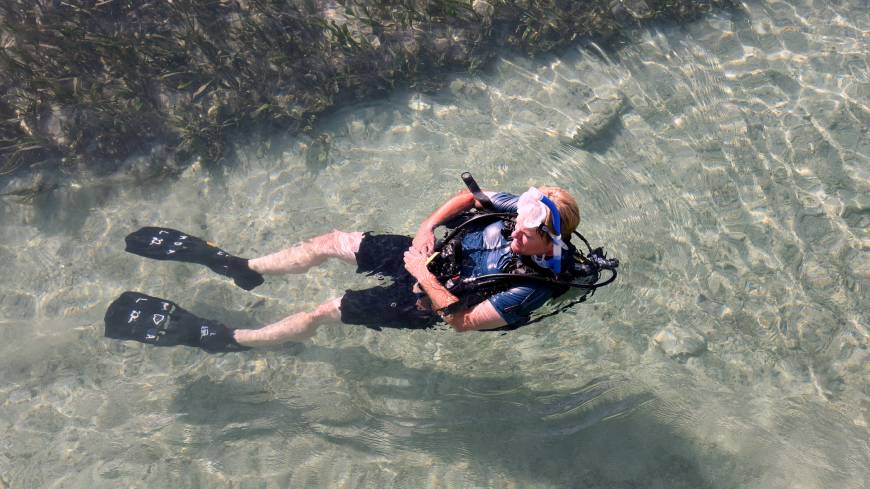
87,84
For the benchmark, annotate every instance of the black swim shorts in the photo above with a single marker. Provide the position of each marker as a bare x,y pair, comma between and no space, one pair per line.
388,306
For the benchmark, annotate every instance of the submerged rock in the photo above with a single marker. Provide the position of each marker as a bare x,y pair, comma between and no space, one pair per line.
635,9
484,9
605,116
679,343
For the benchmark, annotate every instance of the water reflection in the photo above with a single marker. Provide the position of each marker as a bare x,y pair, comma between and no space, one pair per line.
732,182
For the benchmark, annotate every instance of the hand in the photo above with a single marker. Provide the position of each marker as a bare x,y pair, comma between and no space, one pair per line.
424,240
415,263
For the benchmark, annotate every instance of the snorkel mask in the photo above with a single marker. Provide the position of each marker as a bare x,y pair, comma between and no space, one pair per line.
532,214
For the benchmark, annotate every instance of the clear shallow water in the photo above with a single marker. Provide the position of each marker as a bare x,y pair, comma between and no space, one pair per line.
728,170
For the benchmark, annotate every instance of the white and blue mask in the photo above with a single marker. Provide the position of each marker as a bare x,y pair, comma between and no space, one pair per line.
532,214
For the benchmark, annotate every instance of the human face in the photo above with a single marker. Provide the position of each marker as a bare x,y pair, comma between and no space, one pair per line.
530,242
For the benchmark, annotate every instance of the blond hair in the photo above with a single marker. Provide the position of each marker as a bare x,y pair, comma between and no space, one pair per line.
568,210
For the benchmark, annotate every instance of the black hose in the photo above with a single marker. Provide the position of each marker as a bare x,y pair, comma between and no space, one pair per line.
453,232
588,247
495,277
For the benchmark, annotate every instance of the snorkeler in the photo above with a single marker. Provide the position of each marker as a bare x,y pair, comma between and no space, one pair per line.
504,257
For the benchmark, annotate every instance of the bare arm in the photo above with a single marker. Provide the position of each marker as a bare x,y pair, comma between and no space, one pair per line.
425,238
481,316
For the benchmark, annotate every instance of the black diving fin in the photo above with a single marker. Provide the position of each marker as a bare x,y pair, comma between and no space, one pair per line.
169,244
159,322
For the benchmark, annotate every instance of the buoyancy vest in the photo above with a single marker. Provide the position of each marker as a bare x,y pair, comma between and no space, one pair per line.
579,277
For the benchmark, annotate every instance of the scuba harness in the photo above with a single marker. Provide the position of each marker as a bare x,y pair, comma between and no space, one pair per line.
577,279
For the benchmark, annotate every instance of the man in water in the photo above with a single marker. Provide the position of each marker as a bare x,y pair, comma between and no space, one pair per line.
545,220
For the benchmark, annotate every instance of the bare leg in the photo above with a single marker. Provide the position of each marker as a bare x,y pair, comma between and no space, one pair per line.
297,327
300,257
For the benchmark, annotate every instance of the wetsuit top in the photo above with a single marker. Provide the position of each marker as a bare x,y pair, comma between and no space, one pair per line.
485,250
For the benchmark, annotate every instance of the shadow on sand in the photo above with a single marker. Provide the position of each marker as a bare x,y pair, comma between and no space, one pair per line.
604,434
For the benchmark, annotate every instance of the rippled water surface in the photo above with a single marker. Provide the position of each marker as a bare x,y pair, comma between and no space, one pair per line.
727,163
